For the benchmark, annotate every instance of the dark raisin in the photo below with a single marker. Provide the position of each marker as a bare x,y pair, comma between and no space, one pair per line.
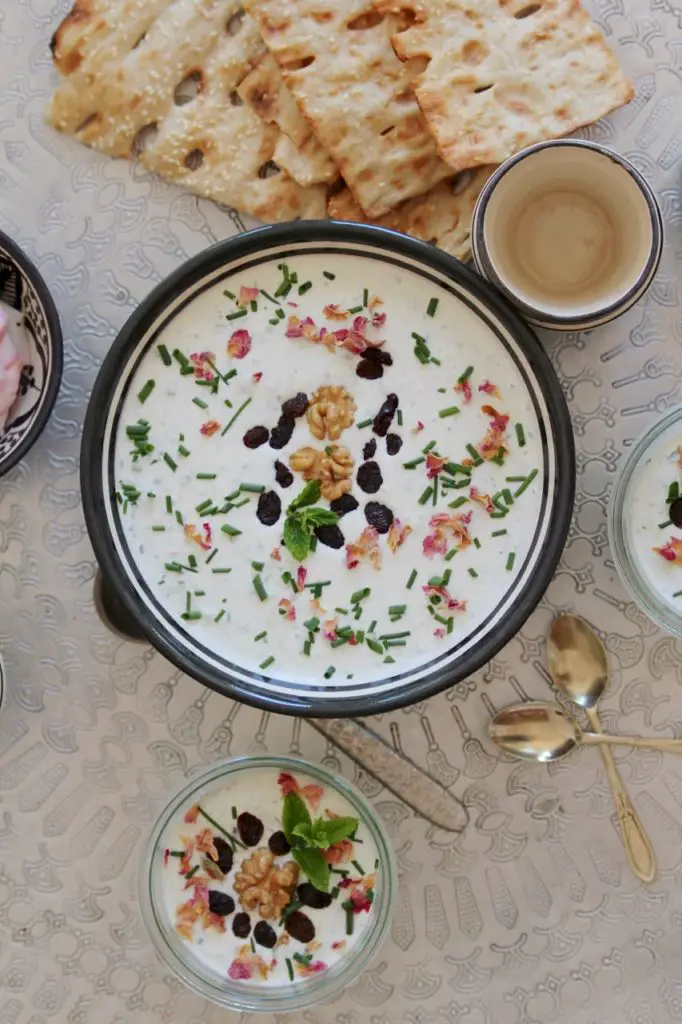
220,903
225,854
312,897
370,449
378,516
378,355
250,828
369,370
384,418
369,477
331,536
269,508
281,434
343,505
283,474
300,927
265,935
279,844
295,406
256,436
393,443
241,925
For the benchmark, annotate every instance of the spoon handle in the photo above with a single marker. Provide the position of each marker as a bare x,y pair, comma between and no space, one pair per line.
648,742
639,851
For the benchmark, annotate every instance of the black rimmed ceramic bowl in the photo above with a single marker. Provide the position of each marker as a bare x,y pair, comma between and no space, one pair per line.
147,510
568,231
34,326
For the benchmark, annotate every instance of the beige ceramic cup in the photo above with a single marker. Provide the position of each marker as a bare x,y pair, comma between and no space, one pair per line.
570,232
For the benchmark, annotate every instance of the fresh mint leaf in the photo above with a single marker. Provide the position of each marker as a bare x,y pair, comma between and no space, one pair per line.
294,813
308,496
296,539
336,829
304,831
318,517
313,864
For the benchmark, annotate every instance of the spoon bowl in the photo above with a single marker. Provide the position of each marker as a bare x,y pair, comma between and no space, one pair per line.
534,731
577,660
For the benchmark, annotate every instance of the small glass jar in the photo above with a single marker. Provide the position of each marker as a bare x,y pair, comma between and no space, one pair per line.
251,997
627,532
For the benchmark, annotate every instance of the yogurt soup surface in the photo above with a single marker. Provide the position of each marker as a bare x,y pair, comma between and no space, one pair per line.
429,442
652,515
238,896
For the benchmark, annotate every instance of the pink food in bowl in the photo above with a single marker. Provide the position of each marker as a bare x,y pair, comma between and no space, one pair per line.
10,371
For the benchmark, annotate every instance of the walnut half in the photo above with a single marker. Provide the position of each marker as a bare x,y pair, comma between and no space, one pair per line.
332,467
264,886
331,409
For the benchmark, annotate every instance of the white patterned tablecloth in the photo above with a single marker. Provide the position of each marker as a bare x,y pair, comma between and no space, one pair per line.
532,915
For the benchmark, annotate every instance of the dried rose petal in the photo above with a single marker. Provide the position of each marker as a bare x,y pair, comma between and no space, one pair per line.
192,814
287,609
671,551
209,428
247,295
434,465
239,344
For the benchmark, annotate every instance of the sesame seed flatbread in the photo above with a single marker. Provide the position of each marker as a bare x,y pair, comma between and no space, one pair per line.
441,217
123,61
504,74
337,60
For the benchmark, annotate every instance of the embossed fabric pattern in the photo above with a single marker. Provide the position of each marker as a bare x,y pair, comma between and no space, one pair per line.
532,914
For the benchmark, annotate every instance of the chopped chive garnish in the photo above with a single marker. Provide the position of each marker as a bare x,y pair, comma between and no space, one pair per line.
252,488
497,515
425,495
365,296
515,479
508,496
206,476
306,648
520,435
427,448
365,423
395,636
173,567
329,672
526,483
158,529
269,297
399,417
360,595
254,306
474,455
673,492
451,624
411,579
397,609
434,360
357,867
395,643
238,413
200,402
477,542
235,316
228,294
261,635
472,573
192,873
355,309
267,663
165,354
191,616
511,558
458,502
451,410
678,593
328,274
341,611
435,490
183,451
305,287
220,571
203,507
258,566
290,969
432,307
451,554
171,463
372,626
413,463
234,813
231,531
339,642
668,522
191,559
178,517
259,588
273,322
465,376
498,533
218,617
374,645
180,357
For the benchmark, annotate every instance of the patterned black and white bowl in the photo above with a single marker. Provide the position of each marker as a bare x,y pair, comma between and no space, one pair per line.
473,317
23,290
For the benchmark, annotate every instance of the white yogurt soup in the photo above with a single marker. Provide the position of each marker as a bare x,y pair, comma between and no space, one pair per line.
652,517
322,477
268,879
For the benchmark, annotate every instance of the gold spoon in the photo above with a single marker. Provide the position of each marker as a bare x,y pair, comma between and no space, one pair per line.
577,662
537,730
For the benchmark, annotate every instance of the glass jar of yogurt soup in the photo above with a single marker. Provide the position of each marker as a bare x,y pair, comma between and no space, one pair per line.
645,522
267,884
